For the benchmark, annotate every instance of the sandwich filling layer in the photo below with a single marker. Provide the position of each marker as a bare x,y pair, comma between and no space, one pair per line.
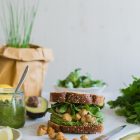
69,114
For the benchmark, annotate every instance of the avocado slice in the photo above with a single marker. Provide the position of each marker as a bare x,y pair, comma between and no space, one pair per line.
36,112
133,136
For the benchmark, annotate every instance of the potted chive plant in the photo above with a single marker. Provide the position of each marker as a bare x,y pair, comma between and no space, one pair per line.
17,19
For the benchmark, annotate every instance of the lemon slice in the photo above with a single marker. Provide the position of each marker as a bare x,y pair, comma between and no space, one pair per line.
6,134
5,86
7,97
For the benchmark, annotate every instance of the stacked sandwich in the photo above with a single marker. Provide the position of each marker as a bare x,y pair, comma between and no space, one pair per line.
76,112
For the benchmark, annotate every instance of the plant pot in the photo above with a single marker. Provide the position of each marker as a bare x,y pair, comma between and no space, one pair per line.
14,60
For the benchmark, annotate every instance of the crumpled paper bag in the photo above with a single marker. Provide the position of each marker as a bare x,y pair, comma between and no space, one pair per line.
13,62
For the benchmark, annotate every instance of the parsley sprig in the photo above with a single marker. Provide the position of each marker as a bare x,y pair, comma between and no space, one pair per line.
128,104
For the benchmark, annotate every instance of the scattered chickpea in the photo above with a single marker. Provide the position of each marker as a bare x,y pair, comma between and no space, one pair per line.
51,133
59,136
83,112
67,117
84,137
50,129
42,130
75,139
65,139
77,117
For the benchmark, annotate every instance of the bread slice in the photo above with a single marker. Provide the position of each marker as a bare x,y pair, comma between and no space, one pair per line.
76,129
73,97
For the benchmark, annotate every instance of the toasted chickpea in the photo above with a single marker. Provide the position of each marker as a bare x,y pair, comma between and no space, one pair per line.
88,118
85,123
52,135
42,130
84,137
67,117
65,139
75,139
60,133
77,117
83,112
50,129
83,119
93,120
60,136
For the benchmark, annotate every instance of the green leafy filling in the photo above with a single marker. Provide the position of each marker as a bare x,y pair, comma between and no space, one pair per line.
60,121
58,109
128,104
76,80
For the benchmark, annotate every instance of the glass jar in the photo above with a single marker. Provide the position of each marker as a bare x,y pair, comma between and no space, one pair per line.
12,108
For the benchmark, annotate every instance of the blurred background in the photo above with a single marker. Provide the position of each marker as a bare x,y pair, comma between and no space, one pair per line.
100,36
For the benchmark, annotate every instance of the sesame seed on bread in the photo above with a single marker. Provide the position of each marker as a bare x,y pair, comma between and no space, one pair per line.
74,97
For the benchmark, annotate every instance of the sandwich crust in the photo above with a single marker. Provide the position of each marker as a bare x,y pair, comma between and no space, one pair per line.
74,97
76,129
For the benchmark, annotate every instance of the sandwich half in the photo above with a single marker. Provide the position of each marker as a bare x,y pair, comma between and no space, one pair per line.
76,112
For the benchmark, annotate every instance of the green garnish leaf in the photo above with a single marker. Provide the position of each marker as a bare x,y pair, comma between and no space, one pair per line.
63,108
128,105
76,80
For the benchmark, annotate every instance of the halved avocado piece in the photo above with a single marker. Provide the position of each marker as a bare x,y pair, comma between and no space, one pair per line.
133,136
36,112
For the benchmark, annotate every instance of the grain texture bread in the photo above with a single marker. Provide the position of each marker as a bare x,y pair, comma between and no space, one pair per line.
76,129
73,97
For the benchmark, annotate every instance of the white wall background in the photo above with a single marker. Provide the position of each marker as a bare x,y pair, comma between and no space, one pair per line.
100,36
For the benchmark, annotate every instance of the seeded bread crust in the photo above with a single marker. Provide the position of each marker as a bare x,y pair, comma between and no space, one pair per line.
76,129
73,97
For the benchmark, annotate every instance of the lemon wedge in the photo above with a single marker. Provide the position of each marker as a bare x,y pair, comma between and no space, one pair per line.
6,134
5,86
7,97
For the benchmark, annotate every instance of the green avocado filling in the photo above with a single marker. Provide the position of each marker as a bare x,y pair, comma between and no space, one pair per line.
58,110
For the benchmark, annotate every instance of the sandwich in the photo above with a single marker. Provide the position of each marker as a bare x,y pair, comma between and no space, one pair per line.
73,112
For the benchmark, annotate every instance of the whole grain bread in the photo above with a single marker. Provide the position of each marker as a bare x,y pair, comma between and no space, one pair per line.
74,97
76,129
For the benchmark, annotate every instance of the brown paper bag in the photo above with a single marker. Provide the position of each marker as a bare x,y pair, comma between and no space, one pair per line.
13,62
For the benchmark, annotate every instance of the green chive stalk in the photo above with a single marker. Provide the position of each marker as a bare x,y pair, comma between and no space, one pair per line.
17,18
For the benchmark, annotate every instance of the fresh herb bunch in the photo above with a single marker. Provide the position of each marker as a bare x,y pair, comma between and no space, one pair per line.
76,80
58,109
128,104
17,19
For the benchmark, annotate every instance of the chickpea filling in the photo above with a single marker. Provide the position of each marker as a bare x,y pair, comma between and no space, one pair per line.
75,114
